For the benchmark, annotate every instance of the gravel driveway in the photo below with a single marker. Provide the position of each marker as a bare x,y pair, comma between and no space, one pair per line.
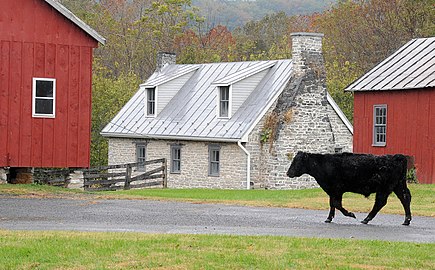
176,217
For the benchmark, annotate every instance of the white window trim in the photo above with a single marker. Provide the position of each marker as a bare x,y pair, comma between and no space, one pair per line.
173,147
140,145
155,102
39,115
375,143
230,101
212,148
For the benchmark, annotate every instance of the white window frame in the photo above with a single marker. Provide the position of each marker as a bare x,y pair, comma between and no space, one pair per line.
139,157
175,147
155,102
211,161
376,126
34,98
219,99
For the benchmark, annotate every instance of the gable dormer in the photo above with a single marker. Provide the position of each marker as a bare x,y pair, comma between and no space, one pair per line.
234,89
162,86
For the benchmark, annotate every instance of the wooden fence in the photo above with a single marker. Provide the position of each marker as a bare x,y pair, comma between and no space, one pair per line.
117,177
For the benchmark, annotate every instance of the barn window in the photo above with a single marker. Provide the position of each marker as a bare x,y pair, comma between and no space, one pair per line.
44,97
175,158
224,101
141,155
151,101
380,125
214,160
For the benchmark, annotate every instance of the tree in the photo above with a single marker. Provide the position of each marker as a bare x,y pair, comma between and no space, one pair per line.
361,33
109,95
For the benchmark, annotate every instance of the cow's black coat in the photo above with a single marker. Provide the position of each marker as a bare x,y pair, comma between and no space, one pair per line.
359,173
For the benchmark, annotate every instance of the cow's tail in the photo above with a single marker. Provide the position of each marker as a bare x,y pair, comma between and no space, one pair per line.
406,162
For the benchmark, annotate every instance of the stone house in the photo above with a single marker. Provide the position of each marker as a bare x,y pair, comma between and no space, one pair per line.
232,125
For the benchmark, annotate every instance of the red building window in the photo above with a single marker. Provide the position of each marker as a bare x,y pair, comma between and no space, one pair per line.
44,97
379,125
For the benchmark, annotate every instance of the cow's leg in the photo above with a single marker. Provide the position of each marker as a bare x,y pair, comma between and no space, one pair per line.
331,210
337,203
404,196
381,201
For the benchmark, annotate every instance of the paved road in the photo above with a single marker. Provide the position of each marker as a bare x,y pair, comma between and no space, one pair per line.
175,217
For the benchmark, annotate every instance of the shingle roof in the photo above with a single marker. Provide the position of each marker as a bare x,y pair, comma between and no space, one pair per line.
73,18
191,113
410,67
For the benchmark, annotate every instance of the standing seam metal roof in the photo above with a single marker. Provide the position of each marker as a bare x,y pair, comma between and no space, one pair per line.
191,113
410,67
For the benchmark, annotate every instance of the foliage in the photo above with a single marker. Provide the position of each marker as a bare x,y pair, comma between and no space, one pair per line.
358,34
109,95
411,176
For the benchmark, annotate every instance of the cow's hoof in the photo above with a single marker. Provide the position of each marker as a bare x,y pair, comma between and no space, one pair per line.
365,221
407,222
328,220
352,215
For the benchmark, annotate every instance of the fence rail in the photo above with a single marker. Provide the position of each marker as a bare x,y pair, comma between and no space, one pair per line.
111,178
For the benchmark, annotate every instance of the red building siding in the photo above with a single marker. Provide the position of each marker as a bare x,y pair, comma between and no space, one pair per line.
38,41
410,126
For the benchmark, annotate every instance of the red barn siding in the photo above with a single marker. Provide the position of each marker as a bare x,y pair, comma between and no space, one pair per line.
37,41
410,126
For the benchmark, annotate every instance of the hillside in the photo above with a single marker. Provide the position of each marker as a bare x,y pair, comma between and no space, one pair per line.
233,13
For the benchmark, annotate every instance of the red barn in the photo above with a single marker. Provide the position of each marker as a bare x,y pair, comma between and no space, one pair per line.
45,85
394,107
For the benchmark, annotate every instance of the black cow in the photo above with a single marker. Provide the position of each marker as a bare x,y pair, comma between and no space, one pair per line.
359,173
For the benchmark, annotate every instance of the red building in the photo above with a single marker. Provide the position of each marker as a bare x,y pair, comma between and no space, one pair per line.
45,85
394,107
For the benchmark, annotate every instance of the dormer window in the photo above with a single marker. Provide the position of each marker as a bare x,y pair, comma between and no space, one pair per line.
151,101
224,101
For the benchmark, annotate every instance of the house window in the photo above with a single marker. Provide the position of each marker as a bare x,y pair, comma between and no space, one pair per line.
44,97
151,101
380,125
141,156
214,160
175,158
224,101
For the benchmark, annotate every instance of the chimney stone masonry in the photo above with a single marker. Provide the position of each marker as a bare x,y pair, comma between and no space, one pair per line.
307,51
165,58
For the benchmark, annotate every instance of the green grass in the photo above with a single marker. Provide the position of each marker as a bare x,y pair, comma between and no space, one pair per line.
79,250
423,197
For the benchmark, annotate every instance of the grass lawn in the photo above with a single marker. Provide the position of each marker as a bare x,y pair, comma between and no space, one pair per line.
79,250
423,197
82,250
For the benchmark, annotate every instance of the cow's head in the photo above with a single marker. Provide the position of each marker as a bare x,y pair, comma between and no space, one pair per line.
297,168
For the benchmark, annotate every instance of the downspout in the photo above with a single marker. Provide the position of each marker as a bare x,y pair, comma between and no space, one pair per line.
248,165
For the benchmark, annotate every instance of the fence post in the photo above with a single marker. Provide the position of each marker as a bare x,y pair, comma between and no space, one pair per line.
165,173
127,177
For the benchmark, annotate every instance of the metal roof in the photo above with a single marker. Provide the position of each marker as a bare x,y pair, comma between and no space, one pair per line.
240,75
76,20
168,73
410,67
192,113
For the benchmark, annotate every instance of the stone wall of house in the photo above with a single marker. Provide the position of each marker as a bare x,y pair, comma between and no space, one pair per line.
343,139
300,120
194,162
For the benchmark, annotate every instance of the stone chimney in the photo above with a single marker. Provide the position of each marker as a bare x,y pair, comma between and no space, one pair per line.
165,58
307,52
